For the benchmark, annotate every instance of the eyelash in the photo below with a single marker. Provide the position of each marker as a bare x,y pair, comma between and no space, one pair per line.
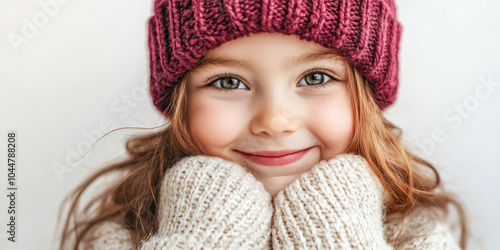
212,80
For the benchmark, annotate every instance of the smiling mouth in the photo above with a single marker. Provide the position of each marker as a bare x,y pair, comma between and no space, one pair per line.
275,158
275,153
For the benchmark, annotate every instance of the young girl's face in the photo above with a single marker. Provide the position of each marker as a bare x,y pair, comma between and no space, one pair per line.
278,93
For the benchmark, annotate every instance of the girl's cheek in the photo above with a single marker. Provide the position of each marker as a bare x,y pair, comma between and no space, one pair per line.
332,122
214,124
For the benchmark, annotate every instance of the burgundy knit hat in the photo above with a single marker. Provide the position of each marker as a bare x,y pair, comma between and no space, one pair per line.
365,32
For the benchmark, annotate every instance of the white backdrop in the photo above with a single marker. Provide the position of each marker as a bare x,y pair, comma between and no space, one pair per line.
71,71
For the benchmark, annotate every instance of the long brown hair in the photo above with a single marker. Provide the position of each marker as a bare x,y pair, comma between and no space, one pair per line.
401,173
133,198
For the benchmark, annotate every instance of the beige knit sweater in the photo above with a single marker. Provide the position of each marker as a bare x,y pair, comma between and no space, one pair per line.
210,203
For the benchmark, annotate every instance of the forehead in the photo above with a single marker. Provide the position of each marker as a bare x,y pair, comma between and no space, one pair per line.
276,48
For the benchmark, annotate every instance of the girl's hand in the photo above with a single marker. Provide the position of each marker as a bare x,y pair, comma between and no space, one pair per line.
210,203
338,204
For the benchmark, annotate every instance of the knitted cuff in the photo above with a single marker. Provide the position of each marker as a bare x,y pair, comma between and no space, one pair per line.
208,202
337,204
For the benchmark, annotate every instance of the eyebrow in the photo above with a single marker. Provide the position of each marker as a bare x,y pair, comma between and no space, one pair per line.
289,61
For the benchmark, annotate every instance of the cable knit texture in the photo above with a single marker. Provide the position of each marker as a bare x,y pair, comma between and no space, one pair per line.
208,203
367,33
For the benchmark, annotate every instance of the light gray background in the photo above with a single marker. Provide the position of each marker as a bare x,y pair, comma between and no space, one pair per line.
84,70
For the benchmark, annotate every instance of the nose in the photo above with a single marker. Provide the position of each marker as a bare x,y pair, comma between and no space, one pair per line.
275,118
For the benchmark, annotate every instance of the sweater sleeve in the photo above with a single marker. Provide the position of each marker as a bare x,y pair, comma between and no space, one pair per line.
424,228
108,235
338,204
210,203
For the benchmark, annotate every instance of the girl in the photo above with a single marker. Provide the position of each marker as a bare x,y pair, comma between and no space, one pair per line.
276,137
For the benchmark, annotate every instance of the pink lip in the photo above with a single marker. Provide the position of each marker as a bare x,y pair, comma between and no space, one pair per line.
275,158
